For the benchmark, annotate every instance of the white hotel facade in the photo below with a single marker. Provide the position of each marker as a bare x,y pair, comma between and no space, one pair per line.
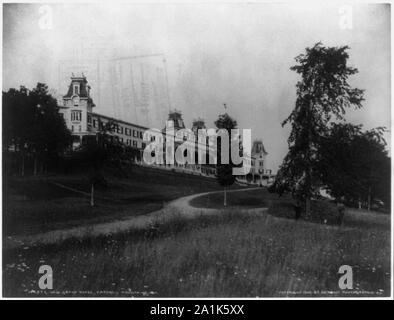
78,113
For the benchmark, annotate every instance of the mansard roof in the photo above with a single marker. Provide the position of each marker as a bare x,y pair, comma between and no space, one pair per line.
199,123
176,117
83,87
258,147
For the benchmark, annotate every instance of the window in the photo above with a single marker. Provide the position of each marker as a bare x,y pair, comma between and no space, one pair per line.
76,115
76,89
134,143
141,137
143,145
72,128
89,119
80,128
135,133
121,130
94,123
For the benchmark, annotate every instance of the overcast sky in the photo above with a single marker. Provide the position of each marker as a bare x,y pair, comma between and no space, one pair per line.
238,54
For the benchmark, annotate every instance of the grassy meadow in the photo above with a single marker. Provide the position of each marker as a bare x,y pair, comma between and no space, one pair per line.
253,199
227,255
230,254
36,204
325,212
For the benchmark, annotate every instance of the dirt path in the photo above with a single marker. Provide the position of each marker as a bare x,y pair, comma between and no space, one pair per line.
180,206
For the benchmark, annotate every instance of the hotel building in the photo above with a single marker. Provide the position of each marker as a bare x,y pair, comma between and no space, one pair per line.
78,113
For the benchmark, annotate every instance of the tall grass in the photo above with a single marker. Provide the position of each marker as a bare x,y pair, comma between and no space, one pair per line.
228,255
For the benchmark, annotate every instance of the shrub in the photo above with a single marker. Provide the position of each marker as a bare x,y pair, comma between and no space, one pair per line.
323,212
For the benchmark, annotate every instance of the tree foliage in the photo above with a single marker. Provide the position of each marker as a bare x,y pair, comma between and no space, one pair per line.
104,150
32,125
323,93
225,170
354,164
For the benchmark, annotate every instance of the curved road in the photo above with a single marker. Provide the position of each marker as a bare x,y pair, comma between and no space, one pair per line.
175,208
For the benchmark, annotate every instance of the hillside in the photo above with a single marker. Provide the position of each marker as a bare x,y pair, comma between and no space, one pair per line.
39,204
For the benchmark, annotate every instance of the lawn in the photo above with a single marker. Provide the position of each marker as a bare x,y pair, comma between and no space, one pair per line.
34,204
250,199
324,212
228,255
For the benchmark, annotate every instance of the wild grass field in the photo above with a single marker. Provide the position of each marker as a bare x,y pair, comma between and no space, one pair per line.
226,255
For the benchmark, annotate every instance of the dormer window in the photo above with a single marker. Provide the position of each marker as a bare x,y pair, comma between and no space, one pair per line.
76,89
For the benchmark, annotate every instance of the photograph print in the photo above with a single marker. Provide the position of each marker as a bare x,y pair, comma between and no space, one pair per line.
196,150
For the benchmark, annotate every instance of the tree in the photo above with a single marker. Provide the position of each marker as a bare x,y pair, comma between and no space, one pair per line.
102,151
50,134
354,164
95,154
322,92
97,151
224,171
32,126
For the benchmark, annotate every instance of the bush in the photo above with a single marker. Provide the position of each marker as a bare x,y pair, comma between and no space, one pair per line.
323,212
